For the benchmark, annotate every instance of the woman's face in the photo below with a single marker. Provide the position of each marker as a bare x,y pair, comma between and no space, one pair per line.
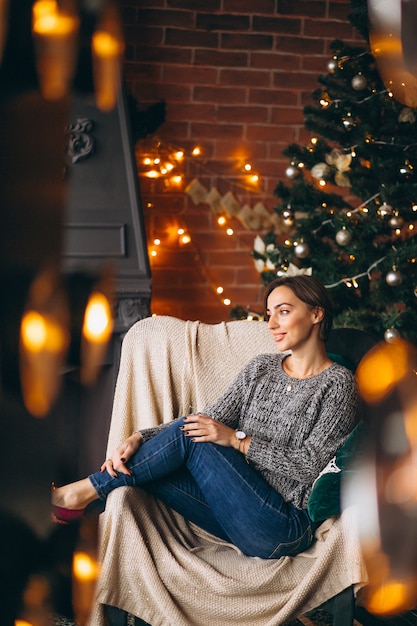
292,322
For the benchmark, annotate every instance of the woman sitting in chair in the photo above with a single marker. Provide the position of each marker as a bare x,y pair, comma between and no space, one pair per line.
248,461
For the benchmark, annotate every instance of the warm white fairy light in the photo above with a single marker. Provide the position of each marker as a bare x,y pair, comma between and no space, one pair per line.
219,290
230,232
221,220
227,301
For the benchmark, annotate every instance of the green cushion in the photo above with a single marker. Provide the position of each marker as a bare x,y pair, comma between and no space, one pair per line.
324,500
341,360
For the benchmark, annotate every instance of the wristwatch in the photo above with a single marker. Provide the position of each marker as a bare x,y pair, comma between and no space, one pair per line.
240,436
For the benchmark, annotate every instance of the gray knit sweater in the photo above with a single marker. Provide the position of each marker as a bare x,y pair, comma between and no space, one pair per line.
296,425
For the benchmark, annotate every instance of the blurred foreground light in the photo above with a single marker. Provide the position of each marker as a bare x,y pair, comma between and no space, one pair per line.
55,34
383,485
390,598
107,50
98,324
384,366
44,341
386,34
84,567
96,330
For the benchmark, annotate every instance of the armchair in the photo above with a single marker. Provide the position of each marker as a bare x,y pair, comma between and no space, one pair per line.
159,569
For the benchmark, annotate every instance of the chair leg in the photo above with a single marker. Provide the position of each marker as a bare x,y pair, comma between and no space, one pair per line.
118,617
344,608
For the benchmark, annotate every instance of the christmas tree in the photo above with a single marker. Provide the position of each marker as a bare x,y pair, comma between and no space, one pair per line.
350,202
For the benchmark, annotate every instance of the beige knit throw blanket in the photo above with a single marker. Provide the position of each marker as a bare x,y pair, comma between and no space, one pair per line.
166,571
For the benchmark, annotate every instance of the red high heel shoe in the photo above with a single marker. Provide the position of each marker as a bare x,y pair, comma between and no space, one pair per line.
62,515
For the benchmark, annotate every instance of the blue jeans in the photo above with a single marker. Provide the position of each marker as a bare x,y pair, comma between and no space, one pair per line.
214,487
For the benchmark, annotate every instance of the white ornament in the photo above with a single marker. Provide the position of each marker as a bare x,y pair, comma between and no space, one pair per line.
343,237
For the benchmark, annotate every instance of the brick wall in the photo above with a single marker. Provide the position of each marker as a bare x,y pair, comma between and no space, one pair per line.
235,75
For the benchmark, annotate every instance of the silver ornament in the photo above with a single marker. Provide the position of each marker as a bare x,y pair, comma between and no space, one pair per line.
391,334
348,121
396,221
332,65
291,171
394,278
385,209
302,250
358,82
343,237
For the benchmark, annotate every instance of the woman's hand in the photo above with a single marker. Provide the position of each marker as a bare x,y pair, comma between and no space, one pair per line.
117,461
203,428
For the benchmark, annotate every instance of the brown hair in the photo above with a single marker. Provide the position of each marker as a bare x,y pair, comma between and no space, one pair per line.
310,290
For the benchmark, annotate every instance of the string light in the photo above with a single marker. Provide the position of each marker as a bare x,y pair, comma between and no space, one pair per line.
159,160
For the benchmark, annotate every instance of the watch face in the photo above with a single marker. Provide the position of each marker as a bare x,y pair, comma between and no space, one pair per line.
240,434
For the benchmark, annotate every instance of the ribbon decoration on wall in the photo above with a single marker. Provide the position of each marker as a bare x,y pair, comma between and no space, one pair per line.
252,218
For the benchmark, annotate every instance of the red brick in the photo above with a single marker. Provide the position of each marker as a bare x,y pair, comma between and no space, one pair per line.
274,60
187,74
139,34
261,7
209,5
300,45
284,25
245,114
318,28
223,130
296,80
250,78
339,11
287,116
273,96
191,112
239,150
312,8
164,17
270,133
193,38
246,41
221,59
222,22
316,64
160,54
143,71
221,95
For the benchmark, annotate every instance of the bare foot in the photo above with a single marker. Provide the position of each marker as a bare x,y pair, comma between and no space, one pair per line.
74,495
